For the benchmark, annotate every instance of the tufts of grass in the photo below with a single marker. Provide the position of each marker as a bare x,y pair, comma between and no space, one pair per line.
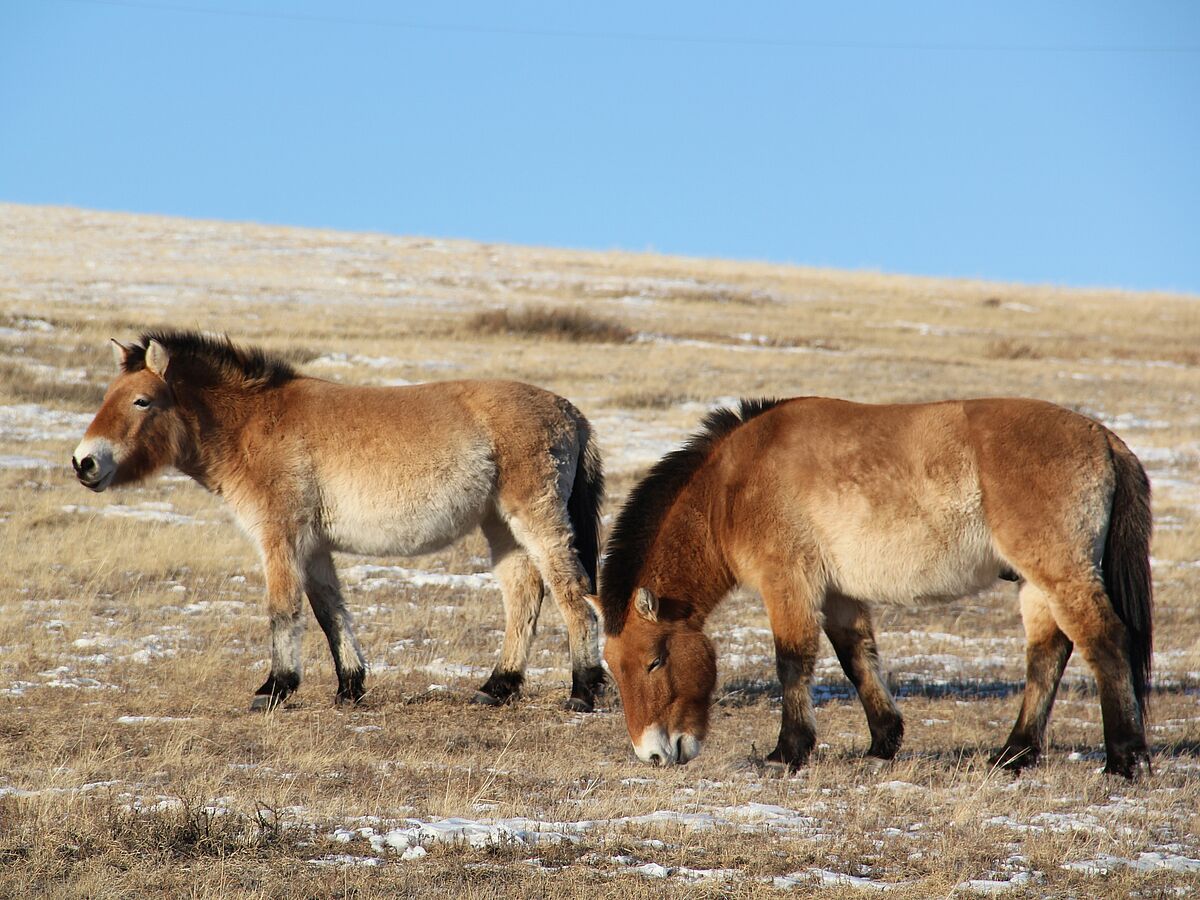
559,324
649,399
1010,349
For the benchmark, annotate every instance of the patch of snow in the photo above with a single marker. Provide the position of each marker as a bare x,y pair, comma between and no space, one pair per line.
1055,822
453,670
28,462
344,859
33,422
372,577
998,886
148,511
823,877
1146,862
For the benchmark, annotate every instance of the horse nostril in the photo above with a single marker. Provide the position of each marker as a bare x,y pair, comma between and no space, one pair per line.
85,466
655,759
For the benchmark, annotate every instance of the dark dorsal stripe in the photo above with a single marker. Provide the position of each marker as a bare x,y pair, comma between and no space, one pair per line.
251,366
648,503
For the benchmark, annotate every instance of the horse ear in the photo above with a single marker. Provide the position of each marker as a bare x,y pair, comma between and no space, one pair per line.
120,353
646,604
157,359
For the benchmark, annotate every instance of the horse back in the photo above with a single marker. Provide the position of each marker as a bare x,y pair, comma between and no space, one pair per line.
406,469
902,503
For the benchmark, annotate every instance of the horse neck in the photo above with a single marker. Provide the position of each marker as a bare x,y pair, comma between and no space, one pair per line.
686,562
214,420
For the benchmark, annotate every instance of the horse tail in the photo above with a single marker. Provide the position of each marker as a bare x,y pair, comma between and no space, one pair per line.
587,496
1126,563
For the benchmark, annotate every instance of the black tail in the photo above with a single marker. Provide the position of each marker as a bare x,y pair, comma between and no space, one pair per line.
1126,562
587,496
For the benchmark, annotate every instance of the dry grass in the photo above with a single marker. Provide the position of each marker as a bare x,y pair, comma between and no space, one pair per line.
540,323
130,634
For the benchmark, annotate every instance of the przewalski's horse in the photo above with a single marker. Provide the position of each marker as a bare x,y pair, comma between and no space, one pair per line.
826,506
310,467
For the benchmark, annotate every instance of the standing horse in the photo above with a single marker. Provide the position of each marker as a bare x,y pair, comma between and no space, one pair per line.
826,506
310,467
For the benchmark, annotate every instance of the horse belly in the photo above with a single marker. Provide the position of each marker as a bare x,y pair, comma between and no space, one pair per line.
928,557
407,516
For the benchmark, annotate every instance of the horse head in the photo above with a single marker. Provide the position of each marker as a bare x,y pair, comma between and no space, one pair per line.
134,433
666,670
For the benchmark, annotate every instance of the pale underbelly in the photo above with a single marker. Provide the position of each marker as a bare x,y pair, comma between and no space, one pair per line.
399,528
395,537
907,568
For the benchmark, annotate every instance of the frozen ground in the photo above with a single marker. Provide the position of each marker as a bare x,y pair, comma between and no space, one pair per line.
131,630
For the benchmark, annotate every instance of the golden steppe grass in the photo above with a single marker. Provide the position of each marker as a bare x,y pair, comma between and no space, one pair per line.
130,635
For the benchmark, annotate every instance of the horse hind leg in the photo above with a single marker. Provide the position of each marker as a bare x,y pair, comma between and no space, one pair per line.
546,535
1086,616
522,590
325,595
1047,650
850,631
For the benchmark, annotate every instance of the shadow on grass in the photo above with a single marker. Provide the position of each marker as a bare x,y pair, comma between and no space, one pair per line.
749,691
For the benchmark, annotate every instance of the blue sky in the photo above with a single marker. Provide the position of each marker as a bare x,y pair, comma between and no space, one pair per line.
1040,142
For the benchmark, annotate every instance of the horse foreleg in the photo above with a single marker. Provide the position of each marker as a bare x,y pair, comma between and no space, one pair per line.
1047,650
848,626
795,622
325,595
284,595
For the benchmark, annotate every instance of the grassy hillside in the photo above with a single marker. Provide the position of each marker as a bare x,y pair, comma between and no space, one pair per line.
131,636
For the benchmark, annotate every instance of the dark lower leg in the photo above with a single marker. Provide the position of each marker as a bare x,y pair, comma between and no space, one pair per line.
347,661
1045,660
1125,746
325,596
587,686
848,626
797,733
1087,617
500,688
277,688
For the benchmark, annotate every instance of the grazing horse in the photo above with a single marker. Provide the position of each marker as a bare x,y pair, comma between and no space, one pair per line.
826,507
310,467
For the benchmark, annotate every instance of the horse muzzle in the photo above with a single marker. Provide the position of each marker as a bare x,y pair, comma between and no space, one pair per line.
660,749
94,470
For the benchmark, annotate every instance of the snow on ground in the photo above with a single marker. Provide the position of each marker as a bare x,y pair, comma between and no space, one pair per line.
372,577
10,461
147,511
628,444
32,422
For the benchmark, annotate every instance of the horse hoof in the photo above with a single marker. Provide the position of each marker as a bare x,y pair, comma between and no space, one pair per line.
579,705
1131,767
264,703
1014,759
482,698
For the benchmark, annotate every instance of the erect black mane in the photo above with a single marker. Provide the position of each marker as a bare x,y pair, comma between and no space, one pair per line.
641,516
252,366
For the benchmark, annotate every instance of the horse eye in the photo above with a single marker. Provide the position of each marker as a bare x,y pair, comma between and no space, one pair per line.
658,661
141,403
